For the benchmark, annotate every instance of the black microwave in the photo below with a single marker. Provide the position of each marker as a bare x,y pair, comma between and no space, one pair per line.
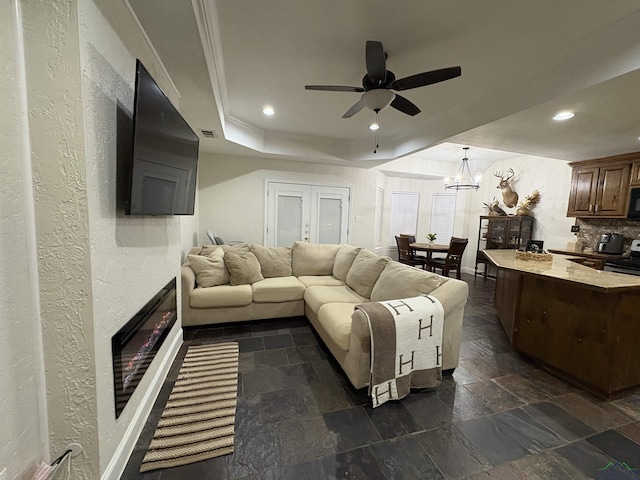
634,203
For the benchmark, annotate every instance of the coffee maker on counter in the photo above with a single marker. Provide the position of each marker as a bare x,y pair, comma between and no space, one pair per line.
611,243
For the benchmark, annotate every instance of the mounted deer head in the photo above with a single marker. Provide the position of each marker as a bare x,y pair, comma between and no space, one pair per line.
509,197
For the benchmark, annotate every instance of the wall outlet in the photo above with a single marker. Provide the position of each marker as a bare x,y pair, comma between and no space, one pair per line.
3,474
575,228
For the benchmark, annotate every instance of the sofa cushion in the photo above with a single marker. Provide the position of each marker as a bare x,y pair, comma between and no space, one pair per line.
221,296
211,270
335,319
274,261
344,260
402,281
365,271
313,258
317,280
317,296
243,268
278,289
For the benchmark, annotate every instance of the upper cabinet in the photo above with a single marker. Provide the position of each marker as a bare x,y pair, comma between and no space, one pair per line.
635,174
600,188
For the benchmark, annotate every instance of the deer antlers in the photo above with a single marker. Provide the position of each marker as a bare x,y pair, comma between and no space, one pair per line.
500,175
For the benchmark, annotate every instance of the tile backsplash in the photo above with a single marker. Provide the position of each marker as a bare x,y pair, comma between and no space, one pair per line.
592,228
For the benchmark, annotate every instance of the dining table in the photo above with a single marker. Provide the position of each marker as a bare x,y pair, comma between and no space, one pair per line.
429,248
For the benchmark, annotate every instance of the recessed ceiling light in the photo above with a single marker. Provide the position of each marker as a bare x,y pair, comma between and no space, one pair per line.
374,126
268,111
563,116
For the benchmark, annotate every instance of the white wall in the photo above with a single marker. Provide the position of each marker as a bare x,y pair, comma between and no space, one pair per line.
132,258
23,425
232,194
551,177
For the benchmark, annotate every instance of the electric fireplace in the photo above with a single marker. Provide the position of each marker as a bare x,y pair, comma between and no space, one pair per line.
135,345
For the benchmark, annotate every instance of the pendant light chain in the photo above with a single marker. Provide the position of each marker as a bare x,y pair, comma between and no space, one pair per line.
377,132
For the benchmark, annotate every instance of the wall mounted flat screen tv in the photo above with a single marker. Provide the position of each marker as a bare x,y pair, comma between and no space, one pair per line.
165,154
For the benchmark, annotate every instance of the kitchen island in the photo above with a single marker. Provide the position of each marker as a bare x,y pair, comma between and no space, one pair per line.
578,323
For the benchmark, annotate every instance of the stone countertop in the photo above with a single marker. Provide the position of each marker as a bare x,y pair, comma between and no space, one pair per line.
563,269
603,256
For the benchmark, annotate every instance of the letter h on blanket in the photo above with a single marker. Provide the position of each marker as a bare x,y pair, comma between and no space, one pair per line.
403,355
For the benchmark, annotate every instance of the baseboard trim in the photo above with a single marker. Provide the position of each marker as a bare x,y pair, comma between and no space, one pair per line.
118,462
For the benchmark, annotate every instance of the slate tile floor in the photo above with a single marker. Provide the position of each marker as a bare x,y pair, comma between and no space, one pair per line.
497,417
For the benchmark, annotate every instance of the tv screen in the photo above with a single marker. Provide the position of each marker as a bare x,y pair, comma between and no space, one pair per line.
165,154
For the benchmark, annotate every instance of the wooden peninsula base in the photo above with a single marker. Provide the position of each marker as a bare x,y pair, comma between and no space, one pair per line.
580,324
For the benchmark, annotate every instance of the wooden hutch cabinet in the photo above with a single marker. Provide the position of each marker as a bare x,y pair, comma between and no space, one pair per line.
502,232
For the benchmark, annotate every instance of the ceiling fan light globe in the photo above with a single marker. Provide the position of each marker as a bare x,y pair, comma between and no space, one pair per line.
378,99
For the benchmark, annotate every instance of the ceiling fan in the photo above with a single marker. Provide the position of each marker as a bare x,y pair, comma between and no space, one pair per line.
378,83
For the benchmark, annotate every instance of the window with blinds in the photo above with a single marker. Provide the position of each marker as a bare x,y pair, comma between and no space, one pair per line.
377,224
443,216
404,214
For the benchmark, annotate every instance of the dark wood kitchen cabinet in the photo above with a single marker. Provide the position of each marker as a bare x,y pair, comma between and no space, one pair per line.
635,174
599,191
600,187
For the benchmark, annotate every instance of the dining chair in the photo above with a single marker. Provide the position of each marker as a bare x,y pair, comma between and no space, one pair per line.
412,239
406,256
453,259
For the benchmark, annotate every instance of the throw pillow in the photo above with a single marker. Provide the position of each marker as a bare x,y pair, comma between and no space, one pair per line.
211,270
207,250
344,259
402,281
313,258
274,261
365,271
238,248
243,268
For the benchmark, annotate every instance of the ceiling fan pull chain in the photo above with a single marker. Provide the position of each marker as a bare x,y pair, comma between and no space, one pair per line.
377,132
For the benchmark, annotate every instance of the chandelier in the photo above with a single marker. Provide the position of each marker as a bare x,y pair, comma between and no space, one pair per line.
463,179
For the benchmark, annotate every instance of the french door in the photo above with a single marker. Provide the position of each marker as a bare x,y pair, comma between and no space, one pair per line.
311,213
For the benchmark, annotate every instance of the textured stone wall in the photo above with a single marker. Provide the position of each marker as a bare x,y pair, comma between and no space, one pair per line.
132,258
62,226
592,228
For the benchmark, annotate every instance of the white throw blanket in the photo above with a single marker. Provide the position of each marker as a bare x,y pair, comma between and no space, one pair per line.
406,345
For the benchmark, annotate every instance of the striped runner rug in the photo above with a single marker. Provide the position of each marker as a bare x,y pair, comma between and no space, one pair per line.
198,421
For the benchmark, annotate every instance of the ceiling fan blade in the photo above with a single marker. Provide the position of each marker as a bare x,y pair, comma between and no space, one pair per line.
405,106
359,105
334,88
376,63
426,78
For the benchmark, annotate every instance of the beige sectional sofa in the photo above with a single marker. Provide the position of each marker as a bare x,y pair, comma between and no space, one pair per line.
222,284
